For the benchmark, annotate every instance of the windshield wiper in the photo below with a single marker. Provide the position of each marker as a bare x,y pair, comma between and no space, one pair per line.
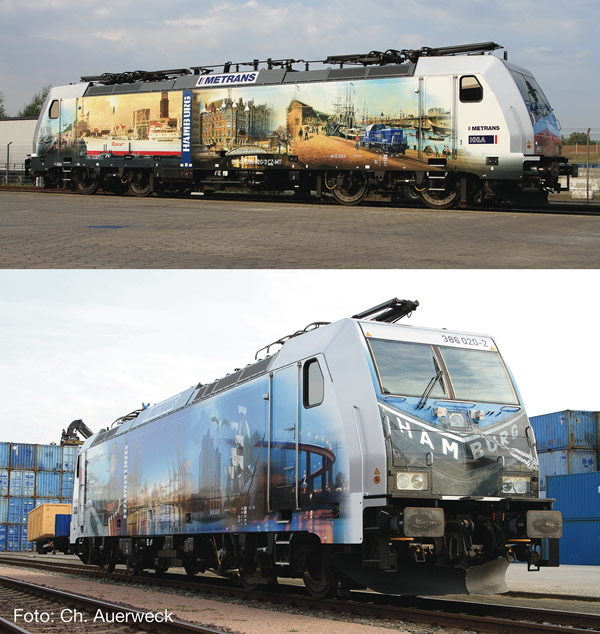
429,389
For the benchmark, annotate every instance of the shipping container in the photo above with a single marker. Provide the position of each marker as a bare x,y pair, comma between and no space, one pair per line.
3,529
22,456
49,458
3,510
4,455
70,458
39,501
18,508
3,482
16,538
580,543
569,429
48,484
41,520
22,483
62,525
566,461
66,487
577,496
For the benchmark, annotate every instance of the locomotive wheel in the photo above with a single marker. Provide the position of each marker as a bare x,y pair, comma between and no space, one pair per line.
140,184
133,568
192,568
108,566
348,188
86,182
319,577
441,199
248,574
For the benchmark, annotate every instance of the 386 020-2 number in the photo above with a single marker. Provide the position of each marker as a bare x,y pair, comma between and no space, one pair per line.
465,341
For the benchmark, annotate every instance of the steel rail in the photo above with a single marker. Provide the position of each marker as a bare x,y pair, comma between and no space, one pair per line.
449,612
574,209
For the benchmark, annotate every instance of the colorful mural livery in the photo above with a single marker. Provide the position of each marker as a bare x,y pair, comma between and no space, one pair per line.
206,470
343,125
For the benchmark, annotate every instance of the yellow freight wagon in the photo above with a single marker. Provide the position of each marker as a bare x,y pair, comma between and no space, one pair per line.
41,521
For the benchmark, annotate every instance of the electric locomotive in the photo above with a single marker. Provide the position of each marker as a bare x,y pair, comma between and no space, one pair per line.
360,453
464,126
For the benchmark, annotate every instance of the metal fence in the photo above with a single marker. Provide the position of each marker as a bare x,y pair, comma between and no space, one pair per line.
12,164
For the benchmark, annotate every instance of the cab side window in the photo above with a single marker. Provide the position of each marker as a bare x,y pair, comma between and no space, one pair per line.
470,89
314,384
54,109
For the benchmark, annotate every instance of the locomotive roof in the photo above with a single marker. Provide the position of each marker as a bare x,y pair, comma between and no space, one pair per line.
375,64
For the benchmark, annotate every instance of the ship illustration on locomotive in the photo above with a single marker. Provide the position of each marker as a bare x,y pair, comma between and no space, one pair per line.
361,453
453,125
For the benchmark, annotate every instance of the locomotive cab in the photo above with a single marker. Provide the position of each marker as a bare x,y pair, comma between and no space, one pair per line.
462,469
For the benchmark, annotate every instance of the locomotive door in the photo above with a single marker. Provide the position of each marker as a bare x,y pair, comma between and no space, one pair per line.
437,128
283,441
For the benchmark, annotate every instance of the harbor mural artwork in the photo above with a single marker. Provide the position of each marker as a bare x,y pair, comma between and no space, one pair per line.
205,469
376,124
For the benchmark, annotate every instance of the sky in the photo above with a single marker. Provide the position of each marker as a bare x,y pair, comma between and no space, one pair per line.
96,345
58,41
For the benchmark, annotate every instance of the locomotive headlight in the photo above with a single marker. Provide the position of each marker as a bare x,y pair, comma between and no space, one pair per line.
516,484
412,481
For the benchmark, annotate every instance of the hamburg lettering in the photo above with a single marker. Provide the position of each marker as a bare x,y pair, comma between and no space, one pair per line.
186,129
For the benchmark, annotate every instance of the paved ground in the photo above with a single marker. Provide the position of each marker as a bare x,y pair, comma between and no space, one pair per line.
39,230
583,581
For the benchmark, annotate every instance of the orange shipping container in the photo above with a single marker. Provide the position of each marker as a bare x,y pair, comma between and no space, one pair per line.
40,521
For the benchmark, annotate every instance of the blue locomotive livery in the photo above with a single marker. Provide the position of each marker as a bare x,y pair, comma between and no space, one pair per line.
360,453
386,125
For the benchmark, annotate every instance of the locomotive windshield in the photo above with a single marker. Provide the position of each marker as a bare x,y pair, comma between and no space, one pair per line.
407,368
530,90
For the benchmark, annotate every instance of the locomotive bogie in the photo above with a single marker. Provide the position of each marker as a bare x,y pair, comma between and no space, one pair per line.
459,129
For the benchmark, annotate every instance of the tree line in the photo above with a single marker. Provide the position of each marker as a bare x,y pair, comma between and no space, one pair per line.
32,108
577,138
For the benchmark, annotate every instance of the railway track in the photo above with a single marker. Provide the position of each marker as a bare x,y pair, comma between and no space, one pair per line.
460,614
577,209
28,607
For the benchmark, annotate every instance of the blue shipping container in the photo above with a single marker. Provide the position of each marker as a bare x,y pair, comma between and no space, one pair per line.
62,525
2,537
3,510
49,458
577,496
66,487
580,543
4,455
39,501
569,429
16,539
22,483
18,508
566,461
22,456
3,482
70,458
48,484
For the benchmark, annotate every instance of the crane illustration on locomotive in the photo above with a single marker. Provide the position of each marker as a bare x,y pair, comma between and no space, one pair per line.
451,126
360,453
